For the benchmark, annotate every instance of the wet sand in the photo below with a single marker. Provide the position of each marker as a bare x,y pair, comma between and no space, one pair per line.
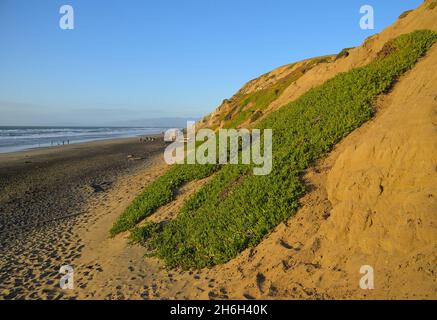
44,196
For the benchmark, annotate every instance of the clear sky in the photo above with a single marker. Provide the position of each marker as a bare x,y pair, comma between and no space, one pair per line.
129,59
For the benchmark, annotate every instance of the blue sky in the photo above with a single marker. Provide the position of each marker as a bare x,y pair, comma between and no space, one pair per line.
136,59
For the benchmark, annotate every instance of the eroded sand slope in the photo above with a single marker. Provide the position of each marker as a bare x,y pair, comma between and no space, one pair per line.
372,201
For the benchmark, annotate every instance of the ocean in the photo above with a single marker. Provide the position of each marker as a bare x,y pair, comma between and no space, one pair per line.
22,138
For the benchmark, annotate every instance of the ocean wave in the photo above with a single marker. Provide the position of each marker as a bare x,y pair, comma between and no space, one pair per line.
20,138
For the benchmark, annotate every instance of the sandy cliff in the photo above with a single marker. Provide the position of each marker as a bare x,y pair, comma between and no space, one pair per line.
371,201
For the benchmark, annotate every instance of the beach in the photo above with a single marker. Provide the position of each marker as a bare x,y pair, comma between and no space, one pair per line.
57,206
154,159
45,195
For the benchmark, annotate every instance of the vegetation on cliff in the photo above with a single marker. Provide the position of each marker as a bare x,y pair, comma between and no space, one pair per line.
236,209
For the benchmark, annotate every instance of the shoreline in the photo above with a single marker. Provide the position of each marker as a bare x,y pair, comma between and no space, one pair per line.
91,143
45,196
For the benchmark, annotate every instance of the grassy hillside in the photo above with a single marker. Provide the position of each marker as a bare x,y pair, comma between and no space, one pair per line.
160,192
252,105
236,209
250,102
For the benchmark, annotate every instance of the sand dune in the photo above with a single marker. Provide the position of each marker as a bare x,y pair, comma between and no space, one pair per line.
371,201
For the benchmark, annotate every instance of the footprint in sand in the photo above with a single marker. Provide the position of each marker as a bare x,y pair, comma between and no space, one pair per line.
260,280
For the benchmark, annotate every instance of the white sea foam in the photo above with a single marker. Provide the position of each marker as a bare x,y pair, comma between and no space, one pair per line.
21,138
